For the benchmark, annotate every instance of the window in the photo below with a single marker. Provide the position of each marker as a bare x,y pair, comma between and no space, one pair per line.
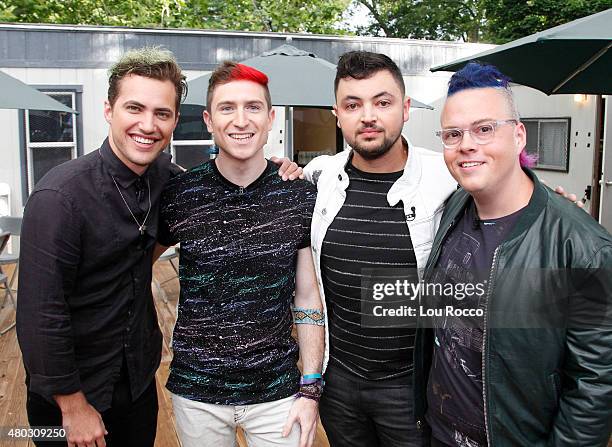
191,143
50,138
548,138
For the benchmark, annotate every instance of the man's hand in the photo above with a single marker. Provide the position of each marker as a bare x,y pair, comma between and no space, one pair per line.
570,197
83,424
305,412
288,169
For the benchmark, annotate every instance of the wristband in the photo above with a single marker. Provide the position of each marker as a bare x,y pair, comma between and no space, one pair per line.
312,376
302,315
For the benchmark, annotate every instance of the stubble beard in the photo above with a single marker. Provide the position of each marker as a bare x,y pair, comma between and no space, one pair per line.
376,152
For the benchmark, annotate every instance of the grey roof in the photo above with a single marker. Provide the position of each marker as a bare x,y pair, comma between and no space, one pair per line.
70,46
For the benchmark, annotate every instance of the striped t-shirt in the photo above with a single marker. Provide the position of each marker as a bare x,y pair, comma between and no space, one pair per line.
366,233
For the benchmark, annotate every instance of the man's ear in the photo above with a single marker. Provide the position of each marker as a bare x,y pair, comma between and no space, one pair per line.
335,113
178,116
271,117
520,137
207,120
108,111
406,107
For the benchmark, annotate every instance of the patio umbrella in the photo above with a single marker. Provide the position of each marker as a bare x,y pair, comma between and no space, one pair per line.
570,58
296,78
14,94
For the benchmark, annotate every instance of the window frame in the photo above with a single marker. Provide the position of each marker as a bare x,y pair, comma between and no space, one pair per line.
26,146
177,143
561,119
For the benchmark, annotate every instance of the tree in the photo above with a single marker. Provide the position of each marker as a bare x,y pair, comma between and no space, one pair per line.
513,19
495,21
315,16
426,19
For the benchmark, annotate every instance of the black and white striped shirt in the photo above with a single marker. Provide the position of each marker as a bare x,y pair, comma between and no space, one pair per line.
366,233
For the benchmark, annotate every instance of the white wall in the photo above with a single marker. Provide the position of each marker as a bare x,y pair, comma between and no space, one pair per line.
10,172
535,104
428,87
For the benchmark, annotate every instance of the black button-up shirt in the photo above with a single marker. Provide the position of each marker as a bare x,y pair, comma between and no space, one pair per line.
85,297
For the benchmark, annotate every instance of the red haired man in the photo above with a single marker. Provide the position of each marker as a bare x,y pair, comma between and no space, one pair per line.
246,275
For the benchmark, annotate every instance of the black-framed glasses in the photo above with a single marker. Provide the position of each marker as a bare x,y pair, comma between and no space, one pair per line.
481,133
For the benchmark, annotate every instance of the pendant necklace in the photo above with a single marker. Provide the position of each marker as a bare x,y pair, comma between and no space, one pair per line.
141,226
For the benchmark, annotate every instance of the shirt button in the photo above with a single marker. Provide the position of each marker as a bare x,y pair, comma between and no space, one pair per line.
339,176
324,211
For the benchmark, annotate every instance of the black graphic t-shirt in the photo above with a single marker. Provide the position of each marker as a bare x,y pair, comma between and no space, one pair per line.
455,400
232,340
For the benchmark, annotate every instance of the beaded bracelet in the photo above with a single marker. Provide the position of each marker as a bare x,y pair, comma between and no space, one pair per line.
311,388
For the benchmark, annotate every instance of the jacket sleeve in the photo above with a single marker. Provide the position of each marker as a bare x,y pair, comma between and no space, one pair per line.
49,259
313,169
585,407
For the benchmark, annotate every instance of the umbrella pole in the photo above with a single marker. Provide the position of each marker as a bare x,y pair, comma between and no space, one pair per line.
289,132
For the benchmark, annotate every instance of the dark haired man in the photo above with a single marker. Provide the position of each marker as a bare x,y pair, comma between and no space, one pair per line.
245,260
377,207
86,322
529,362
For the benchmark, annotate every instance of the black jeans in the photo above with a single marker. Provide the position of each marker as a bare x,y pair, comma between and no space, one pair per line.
373,415
128,423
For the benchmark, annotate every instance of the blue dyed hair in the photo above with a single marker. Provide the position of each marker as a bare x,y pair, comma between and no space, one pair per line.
477,75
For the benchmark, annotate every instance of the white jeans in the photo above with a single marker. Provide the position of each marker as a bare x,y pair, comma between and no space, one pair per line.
211,425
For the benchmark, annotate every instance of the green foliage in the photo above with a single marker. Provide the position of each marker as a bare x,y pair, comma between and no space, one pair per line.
426,19
495,21
315,16
513,19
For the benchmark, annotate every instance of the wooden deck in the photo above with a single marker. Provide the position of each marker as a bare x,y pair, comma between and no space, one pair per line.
12,375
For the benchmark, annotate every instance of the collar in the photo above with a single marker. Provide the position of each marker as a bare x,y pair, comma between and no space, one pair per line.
409,180
530,213
270,168
406,183
123,175
537,203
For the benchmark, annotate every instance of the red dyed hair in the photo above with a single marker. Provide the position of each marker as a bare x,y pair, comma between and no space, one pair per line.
243,72
233,71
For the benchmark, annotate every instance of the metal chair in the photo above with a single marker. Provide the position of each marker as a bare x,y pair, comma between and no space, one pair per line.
4,281
13,226
169,255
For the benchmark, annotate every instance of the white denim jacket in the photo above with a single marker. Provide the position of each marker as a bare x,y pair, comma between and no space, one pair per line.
423,188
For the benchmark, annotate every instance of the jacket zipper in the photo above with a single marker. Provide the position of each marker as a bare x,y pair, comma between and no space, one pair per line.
484,344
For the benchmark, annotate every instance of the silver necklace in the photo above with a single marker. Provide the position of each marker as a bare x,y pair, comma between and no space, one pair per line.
141,226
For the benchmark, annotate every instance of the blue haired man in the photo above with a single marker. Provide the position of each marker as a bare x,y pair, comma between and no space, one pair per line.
526,359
